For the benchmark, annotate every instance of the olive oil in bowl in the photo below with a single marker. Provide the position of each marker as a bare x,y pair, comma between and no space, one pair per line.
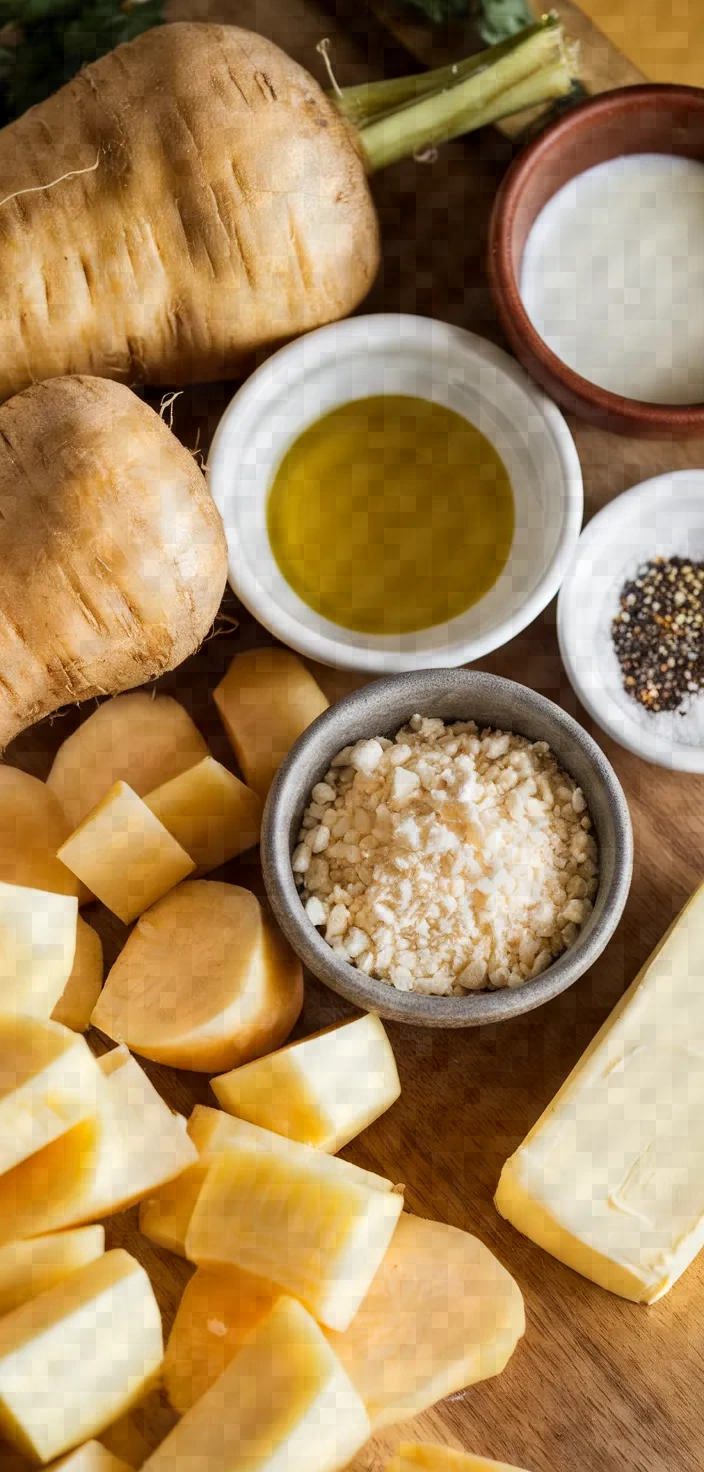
391,514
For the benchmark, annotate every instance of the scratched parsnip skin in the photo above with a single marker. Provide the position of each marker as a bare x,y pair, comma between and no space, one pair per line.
76,1358
322,1090
284,1402
425,1456
611,1178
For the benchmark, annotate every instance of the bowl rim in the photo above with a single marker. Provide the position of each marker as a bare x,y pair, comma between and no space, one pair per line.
416,1008
635,416
431,332
687,758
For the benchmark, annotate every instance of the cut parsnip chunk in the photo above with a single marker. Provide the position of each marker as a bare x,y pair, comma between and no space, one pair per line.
83,987
323,1090
32,828
132,1146
440,1314
165,1217
217,1312
48,1082
30,1268
235,987
209,812
266,701
37,947
283,1403
425,1456
124,854
74,1359
291,1214
142,739
92,1457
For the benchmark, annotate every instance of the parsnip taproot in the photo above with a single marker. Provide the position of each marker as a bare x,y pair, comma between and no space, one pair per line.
112,554
213,201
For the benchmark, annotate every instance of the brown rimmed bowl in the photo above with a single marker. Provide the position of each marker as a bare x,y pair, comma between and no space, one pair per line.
381,708
652,118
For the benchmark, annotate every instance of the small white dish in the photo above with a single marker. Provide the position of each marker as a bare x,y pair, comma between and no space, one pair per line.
662,517
390,354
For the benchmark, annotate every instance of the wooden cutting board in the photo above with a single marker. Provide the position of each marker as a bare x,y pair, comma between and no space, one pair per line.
597,1385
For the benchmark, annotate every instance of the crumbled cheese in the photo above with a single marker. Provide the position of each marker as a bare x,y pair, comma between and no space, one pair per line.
449,860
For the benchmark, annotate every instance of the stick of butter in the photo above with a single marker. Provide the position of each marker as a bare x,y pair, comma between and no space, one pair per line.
611,1178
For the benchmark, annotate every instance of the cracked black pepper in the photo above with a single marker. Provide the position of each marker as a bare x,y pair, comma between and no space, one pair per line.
658,633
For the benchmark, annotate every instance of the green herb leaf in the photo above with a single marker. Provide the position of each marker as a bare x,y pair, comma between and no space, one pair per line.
493,20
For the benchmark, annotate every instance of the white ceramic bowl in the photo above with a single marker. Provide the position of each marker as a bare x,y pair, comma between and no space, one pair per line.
660,517
430,360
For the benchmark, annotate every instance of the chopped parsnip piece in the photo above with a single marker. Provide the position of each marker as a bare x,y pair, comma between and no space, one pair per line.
92,1457
46,1191
83,987
266,701
217,1312
286,1212
32,828
284,1402
209,812
31,1267
235,987
48,1083
124,854
441,1291
323,1090
139,738
37,947
74,1359
425,1456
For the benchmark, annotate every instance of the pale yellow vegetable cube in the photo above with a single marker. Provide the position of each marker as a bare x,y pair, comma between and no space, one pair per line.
124,854
297,1217
48,1083
283,1403
440,1314
323,1090
165,1217
74,1359
139,738
84,985
32,828
132,1146
37,947
266,701
31,1267
209,812
425,1456
92,1457
235,987
217,1312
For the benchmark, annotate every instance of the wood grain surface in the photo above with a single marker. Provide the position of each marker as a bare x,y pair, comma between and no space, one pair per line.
598,1384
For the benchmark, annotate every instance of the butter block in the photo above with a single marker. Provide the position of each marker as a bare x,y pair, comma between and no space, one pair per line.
75,1358
83,987
31,1267
217,1312
37,947
165,1216
209,812
323,1090
283,1403
425,1456
48,1082
92,1457
124,854
266,701
611,1178
293,1215
441,1313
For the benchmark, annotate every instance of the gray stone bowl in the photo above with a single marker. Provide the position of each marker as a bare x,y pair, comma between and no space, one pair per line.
379,709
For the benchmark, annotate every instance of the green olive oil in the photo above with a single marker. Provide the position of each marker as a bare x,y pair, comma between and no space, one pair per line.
391,514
